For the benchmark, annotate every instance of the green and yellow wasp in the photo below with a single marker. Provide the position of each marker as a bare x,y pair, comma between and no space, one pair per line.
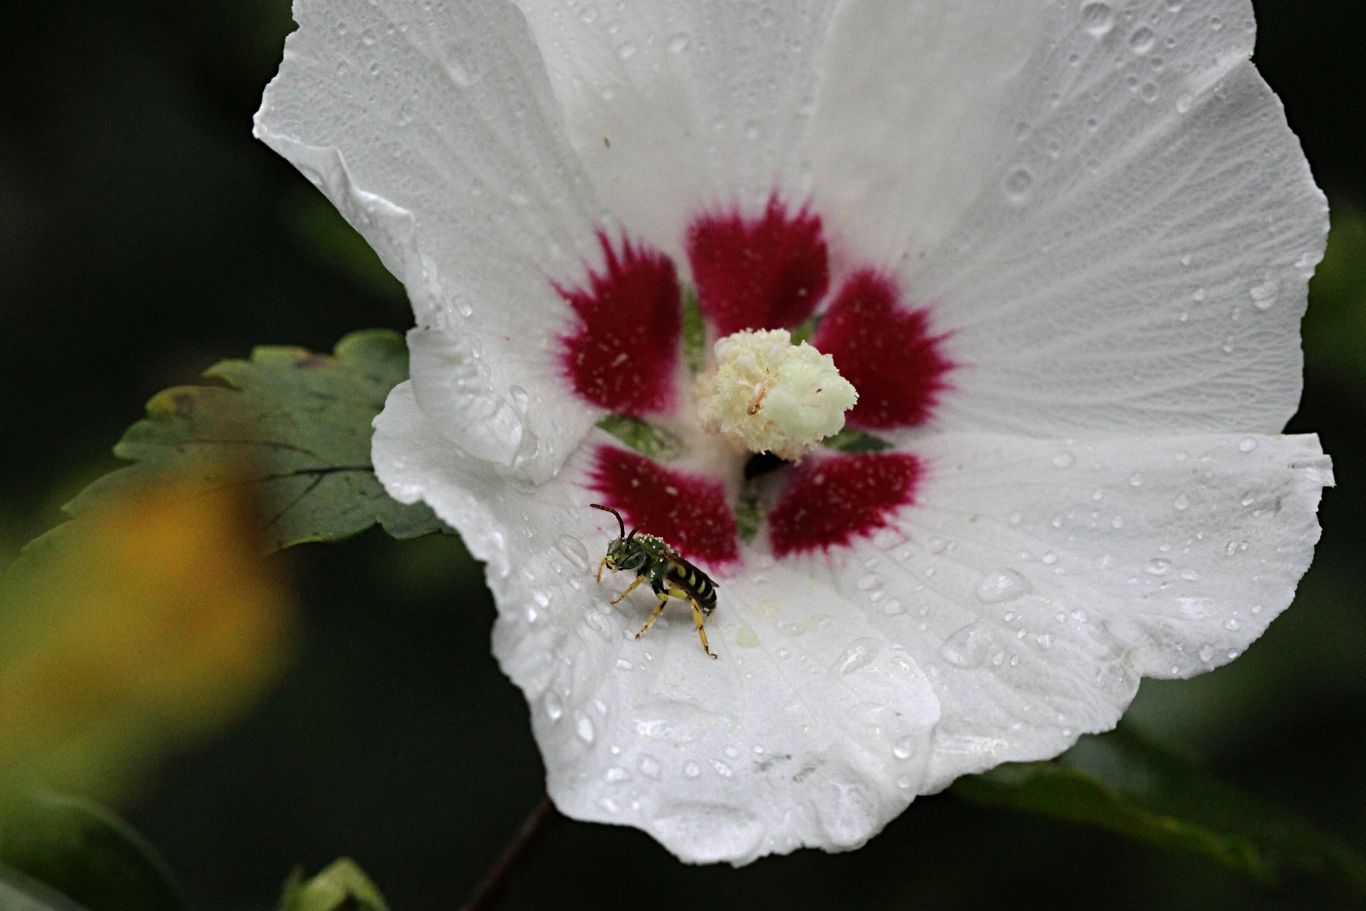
671,576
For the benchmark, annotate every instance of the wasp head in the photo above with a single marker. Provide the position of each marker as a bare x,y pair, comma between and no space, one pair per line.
623,552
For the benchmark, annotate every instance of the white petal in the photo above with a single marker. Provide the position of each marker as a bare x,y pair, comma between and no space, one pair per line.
1102,204
1040,579
689,104
433,130
1011,609
811,728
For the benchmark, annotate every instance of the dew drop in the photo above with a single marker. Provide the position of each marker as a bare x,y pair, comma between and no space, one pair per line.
904,748
584,728
679,43
573,550
1181,503
1135,480
1097,18
1265,293
1141,41
1158,566
1247,445
1002,585
691,769
615,774
721,768
627,50
856,656
648,765
1018,184
1064,459
554,709
965,648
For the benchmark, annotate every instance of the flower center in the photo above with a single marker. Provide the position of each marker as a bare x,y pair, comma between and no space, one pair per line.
766,394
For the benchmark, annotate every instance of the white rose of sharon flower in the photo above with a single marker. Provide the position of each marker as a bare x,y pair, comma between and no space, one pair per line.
1060,249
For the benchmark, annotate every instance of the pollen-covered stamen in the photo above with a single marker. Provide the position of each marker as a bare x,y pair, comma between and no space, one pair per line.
768,395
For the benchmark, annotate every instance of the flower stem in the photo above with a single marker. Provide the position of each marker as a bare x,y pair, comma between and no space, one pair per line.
494,886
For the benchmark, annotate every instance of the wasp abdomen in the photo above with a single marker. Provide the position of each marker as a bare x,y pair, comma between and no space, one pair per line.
699,586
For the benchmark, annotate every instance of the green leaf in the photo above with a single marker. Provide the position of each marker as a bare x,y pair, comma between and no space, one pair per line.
299,422
694,332
848,440
342,886
1120,783
82,851
642,437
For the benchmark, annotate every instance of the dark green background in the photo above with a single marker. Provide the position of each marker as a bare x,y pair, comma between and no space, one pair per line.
144,234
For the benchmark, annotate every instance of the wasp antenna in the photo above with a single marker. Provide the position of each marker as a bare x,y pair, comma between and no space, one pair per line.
620,523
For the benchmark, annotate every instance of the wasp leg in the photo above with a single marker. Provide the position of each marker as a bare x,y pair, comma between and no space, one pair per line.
701,630
659,609
630,588
598,578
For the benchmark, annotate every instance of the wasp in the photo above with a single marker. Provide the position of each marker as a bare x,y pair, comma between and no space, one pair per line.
671,576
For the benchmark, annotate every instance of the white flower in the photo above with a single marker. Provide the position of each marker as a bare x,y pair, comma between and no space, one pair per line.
1059,248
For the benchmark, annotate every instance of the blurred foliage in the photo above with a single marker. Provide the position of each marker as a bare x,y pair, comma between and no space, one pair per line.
341,886
303,420
1120,783
146,622
1335,327
83,852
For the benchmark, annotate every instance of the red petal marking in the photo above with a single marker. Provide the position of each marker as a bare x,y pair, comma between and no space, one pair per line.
764,273
830,501
624,352
885,351
688,511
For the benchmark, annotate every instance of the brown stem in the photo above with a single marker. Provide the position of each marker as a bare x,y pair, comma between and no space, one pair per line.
494,885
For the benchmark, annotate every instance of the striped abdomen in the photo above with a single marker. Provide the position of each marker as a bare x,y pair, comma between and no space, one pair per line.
692,580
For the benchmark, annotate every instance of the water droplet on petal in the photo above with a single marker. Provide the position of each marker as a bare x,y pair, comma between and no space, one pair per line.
691,769
1064,459
648,765
1158,566
1002,585
615,774
1265,293
857,655
1141,41
1097,18
553,707
904,748
1247,445
965,648
1018,184
679,43
573,550
584,728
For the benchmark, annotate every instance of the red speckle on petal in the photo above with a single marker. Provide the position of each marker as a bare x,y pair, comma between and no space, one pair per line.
624,353
831,501
764,273
687,511
885,351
